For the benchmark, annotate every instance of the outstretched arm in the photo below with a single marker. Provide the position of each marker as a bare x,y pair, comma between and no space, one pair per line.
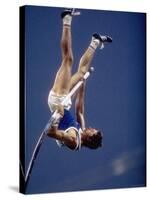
67,139
79,106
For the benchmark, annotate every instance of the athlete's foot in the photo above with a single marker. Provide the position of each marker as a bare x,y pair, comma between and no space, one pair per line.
67,14
71,12
101,39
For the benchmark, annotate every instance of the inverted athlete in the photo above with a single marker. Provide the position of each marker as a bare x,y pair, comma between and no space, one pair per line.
71,131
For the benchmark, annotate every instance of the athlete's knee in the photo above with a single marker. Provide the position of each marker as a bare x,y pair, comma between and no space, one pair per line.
66,48
68,60
82,70
80,74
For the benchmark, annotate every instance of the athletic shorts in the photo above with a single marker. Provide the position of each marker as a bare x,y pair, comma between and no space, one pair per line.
54,100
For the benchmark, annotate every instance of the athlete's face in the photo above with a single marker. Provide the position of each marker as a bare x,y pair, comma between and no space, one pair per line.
92,138
91,131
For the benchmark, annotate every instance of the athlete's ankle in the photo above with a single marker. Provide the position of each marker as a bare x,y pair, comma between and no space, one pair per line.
66,17
67,14
99,41
67,20
95,43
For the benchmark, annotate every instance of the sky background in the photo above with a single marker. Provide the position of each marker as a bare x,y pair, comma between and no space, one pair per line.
115,100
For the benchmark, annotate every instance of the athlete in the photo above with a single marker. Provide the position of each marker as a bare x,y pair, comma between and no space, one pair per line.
71,131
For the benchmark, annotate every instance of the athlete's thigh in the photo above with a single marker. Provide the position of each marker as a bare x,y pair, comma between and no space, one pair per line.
62,80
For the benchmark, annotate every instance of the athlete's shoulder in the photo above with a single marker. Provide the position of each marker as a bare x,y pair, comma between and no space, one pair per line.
75,137
70,139
72,132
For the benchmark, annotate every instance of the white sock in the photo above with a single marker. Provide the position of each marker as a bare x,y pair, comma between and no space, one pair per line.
96,43
67,20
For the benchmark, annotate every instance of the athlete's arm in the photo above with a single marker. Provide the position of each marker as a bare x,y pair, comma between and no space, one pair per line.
54,132
68,139
53,129
79,106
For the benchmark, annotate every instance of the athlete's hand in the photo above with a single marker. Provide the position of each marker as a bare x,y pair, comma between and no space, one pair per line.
60,110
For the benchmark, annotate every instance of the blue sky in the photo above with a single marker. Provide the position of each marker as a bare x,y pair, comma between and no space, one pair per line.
115,100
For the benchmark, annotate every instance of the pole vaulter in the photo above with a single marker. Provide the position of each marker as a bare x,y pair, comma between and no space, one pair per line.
68,130
54,118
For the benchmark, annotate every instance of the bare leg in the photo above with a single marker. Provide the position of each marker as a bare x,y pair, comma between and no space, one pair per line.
85,61
84,65
63,77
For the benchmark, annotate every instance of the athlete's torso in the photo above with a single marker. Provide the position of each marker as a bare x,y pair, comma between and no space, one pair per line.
68,121
66,124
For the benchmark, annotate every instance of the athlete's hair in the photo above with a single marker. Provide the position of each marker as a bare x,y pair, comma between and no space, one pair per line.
94,141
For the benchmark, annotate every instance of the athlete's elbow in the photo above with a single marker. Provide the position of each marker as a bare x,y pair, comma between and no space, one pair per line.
51,132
